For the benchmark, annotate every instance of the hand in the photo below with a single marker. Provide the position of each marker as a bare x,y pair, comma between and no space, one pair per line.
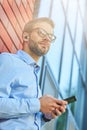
50,104
58,112
55,113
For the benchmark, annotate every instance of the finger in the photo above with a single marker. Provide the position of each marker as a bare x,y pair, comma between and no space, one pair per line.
61,102
62,109
58,112
54,114
54,106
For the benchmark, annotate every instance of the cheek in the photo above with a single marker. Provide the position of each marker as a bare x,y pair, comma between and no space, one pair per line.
35,37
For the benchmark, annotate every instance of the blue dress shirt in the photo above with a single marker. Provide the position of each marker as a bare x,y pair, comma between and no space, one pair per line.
19,92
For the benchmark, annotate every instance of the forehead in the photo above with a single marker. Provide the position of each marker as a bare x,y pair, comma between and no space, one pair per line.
46,26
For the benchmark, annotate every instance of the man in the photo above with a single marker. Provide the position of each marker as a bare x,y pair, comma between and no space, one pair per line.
21,105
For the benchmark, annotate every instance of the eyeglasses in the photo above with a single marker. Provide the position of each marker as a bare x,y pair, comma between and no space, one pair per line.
42,33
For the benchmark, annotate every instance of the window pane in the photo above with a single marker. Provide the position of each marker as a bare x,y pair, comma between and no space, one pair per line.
44,8
65,3
82,5
55,51
66,65
71,15
78,37
74,81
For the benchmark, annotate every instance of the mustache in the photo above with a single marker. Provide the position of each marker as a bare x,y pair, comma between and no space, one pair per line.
44,41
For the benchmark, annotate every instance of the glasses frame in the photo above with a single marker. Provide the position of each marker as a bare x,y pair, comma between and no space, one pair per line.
43,33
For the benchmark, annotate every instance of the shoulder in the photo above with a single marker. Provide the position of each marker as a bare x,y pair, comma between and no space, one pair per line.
7,57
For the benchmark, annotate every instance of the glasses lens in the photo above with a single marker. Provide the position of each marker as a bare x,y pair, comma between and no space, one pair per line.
43,34
51,37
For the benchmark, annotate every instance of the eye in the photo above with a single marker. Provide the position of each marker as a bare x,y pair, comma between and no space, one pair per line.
42,32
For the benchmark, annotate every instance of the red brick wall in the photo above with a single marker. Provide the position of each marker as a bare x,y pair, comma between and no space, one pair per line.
13,14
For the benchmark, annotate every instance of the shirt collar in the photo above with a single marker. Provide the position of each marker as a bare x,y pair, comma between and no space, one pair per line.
27,58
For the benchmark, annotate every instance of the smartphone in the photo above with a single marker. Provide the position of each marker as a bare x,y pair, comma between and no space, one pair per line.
70,99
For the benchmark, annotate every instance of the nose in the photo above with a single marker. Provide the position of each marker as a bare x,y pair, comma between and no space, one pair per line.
46,37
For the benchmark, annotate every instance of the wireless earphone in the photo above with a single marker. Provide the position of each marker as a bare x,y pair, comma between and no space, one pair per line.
26,37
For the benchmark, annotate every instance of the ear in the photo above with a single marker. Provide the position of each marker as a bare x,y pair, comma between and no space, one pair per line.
25,36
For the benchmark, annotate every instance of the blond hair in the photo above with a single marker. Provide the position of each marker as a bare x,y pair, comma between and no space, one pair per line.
29,26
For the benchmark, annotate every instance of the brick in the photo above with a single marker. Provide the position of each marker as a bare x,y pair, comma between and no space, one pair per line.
8,15
5,37
3,48
23,12
17,14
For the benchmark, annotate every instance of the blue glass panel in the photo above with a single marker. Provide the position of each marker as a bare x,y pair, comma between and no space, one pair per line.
75,73
66,65
44,8
71,15
54,54
79,34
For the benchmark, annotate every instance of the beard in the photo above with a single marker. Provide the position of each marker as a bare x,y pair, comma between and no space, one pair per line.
37,49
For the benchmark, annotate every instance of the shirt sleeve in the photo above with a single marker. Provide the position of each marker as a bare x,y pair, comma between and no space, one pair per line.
12,107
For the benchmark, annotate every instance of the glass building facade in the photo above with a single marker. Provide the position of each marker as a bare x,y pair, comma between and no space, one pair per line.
64,69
